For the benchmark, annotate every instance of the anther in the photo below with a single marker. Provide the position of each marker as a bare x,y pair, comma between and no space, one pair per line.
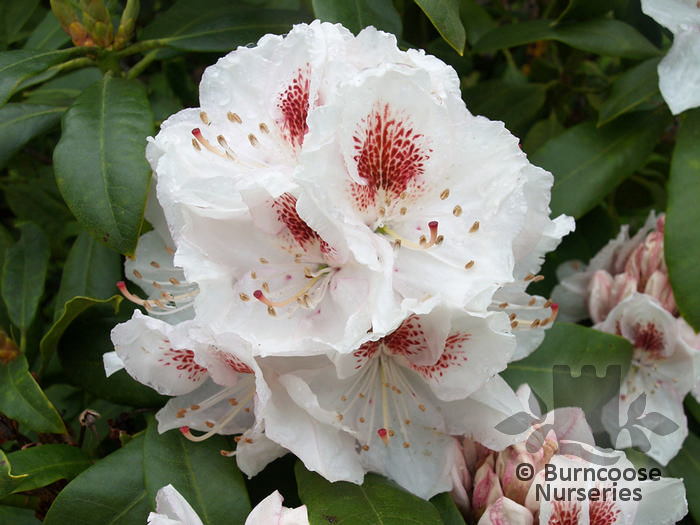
263,127
469,265
137,274
204,142
204,117
457,211
529,277
403,210
474,227
233,117
253,140
503,305
512,317
155,264
174,281
531,301
244,297
263,260
445,193
406,444
196,145
271,311
514,324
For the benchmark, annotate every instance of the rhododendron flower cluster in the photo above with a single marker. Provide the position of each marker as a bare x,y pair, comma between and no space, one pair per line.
340,261
625,291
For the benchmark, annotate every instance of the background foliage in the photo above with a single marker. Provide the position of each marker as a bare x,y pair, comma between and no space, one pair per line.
574,79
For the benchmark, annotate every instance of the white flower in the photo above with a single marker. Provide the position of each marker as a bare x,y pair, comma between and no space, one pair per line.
679,71
648,412
397,164
271,512
172,509
576,498
392,405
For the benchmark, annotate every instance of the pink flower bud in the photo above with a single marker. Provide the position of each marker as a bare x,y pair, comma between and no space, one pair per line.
461,480
506,512
507,464
487,488
658,287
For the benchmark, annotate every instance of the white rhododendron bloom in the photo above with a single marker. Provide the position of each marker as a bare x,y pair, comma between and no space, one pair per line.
173,509
343,261
664,369
392,405
679,71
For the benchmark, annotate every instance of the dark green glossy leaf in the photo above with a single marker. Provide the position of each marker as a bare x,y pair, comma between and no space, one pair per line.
514,104
21,399
100,161
542,132
110,492
193,468
630,89
601,36
17,13
37,467
476,20
63,90
21,64
17,516
91,270
359,14
682,235
449,513
570,349
20,123
24,273
444,14
686,465
589,162
48,34
80,352
216,25
377,500
584,9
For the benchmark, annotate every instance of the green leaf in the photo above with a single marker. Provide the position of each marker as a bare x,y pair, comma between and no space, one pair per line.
111,492
17,516
91,270
21,399
216,25
48,34
100,161
19,123
17,13
682,237
63,90
377,500
583,9
514,104
24,273
686,465
601,36
476,20
21,64
444,14
193,468
37,467
71,309
589,162
358,14
578,349
449,513
630,89
80,351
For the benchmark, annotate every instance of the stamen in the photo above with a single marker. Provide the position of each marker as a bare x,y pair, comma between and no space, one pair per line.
457,211
260,296
204,117
220,424
445,193
474,227
423,244
204,142
233,117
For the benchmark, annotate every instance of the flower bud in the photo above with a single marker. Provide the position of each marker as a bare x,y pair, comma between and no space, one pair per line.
461,480
507,464
507,511
126,24
487,488
658,287
97,22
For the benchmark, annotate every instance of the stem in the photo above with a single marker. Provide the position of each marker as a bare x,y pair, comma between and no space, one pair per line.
142,64
142,47
76,63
